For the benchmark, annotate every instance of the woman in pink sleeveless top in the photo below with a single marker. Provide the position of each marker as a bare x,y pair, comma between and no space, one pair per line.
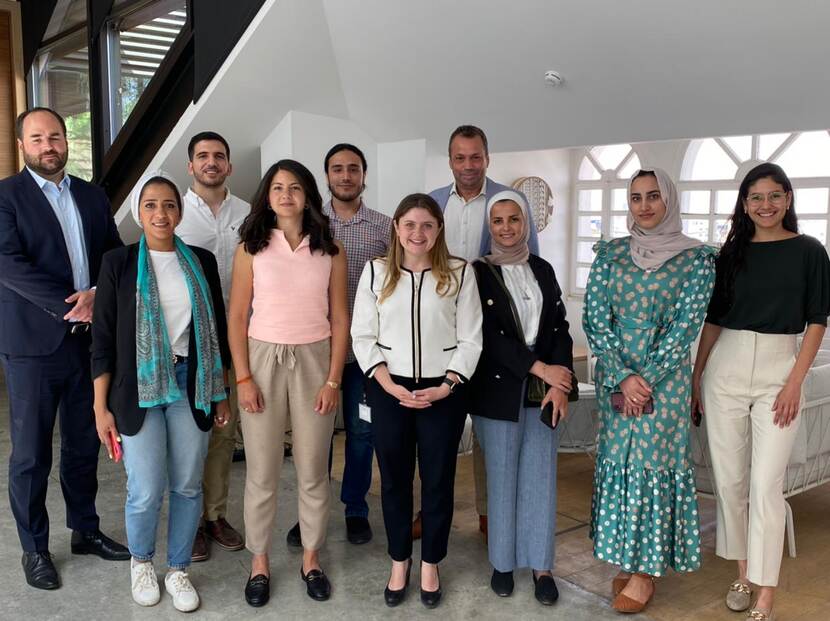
289,335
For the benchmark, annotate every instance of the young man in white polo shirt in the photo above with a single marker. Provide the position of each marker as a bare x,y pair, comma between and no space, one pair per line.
211,219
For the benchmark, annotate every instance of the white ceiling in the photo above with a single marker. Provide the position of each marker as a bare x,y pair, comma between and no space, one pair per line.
635,70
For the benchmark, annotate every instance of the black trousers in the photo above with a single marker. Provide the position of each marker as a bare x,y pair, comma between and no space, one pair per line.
40,388
399,435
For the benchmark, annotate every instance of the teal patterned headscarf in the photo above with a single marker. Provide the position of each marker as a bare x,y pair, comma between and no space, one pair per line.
154,357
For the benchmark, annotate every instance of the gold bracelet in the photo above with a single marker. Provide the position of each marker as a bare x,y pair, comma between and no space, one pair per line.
332,384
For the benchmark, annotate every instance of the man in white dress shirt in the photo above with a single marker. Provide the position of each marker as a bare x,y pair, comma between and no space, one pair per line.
211,219
464,203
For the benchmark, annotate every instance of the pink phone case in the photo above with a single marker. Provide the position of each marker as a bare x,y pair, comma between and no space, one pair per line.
117,453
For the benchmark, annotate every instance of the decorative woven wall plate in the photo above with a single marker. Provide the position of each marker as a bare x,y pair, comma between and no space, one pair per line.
540,198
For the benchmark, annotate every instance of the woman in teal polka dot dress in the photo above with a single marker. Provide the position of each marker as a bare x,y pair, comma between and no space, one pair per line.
645,301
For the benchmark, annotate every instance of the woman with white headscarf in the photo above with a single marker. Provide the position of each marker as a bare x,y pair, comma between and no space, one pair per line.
525,365
159,362
644,304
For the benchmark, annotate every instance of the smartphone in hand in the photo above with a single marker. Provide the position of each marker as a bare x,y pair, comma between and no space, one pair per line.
547,416
117,452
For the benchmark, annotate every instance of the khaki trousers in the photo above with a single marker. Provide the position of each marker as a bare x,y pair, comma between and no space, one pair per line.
743,376
216,479
289,376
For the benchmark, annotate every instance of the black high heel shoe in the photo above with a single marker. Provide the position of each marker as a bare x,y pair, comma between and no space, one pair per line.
430,599
393,598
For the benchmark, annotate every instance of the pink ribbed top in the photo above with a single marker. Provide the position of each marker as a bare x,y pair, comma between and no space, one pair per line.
291,293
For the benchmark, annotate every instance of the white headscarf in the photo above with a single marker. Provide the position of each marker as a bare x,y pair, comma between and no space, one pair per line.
650,248
519,252
136,193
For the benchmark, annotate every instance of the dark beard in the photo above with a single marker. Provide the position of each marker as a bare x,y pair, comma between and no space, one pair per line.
45,171
345,197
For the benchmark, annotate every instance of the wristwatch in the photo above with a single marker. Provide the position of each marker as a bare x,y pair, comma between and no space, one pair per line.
450,383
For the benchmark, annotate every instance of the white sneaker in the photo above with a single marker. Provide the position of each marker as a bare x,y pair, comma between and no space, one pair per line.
185,597
145,585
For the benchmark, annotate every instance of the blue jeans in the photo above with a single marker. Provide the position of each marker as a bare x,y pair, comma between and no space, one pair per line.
168,447
357,472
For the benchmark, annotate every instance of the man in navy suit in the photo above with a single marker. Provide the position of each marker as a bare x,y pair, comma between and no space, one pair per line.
54,229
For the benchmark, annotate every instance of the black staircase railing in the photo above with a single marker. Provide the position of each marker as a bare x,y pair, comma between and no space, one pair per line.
211,31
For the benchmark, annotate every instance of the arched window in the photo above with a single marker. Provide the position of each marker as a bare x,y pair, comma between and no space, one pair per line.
714,167
601,202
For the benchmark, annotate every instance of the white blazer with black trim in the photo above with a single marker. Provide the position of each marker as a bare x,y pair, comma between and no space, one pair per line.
415,331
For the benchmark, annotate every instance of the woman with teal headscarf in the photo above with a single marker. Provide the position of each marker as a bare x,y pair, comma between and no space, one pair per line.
159,361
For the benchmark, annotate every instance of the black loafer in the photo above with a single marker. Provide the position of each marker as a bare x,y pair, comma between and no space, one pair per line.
502,583
358,530
258,590
545,589
317,585
293,539
40,571
393,598
431,599
97,543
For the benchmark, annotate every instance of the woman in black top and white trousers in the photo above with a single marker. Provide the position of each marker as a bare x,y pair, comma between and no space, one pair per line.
749,371
525,337
416,333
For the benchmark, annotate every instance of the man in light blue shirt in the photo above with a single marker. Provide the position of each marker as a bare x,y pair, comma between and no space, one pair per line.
54,231
60,198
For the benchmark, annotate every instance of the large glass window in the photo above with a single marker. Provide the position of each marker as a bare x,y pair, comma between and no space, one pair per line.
601,204
61,79
713,169
140,39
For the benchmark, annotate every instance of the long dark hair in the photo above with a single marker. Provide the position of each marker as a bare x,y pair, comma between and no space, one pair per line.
732,257
258,225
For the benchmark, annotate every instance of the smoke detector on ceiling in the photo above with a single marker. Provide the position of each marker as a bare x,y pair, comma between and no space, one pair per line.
554,78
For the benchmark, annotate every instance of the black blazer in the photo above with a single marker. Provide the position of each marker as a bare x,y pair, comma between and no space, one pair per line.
35,272
496,386
113,336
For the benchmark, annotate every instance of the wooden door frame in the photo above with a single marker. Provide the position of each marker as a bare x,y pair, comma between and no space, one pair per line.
19,98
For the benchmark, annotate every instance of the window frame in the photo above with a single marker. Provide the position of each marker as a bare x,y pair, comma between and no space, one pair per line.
608,182
743,167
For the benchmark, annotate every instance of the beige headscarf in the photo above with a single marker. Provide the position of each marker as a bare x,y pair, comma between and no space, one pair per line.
518,253
651,248
136,193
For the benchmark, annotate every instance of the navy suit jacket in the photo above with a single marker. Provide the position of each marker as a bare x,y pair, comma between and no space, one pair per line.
35,271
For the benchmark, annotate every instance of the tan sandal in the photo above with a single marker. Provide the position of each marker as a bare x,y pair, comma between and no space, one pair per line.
618,584
623,603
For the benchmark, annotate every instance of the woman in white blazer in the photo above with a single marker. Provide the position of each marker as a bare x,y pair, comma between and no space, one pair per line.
416,333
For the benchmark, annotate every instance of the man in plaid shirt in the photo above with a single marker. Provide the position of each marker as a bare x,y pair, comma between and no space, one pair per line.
365,235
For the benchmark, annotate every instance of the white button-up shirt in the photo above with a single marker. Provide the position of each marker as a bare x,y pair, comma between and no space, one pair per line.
219,234
463,222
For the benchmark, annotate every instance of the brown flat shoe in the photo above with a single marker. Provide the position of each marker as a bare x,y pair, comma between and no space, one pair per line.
200,550
224,534
623,603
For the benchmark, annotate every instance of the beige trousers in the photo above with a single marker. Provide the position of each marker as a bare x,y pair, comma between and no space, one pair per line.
289,376
216,479
743,376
